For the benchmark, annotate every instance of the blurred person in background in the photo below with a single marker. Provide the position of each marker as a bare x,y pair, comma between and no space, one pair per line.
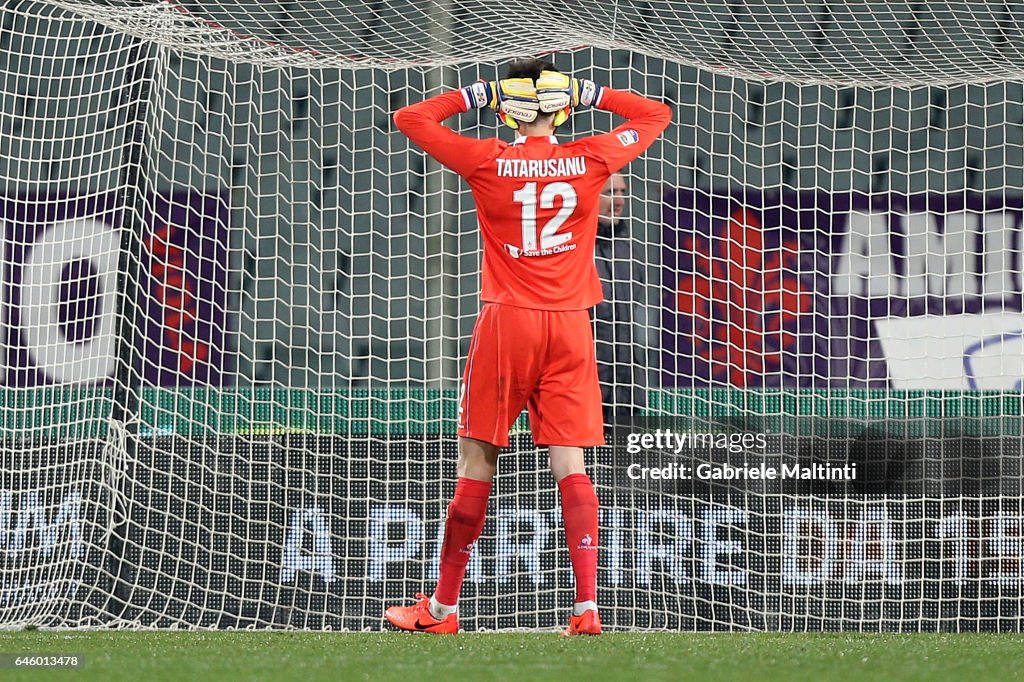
620,319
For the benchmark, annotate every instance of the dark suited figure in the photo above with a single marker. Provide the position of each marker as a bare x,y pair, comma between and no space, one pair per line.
619,320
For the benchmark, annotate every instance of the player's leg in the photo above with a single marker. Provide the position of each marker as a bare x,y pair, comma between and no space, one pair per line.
566,461
493,393
467,512
579,516
566,416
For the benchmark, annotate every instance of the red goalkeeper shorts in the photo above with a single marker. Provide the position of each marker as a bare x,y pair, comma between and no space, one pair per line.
540,359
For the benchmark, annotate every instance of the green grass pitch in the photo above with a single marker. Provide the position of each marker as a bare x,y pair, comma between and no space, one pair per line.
520,657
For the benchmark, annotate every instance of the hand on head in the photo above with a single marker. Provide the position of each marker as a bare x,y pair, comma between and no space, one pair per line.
534,93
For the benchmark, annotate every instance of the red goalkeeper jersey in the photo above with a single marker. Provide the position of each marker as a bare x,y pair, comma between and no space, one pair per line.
537,200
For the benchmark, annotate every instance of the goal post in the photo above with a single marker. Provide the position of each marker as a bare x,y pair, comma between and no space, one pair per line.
235,301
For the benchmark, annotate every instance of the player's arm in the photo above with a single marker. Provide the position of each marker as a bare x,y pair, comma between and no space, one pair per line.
645,120
421,123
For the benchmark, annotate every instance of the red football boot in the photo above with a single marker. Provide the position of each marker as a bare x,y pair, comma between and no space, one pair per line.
417,618
587,624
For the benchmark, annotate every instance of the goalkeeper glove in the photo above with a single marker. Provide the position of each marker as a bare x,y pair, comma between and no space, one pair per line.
514,99
557,92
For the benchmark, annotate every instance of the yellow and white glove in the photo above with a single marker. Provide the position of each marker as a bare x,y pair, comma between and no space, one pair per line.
514,99
557,91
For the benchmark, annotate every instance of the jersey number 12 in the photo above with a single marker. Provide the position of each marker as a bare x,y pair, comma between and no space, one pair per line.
527,197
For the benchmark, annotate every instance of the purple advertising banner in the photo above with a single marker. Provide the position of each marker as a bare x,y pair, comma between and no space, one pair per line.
185,257
59,290
843,290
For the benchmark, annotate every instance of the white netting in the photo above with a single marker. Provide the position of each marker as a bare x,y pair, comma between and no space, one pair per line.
861,43
236,299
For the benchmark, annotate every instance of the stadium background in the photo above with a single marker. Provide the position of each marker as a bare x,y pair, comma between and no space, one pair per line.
341,274
321,185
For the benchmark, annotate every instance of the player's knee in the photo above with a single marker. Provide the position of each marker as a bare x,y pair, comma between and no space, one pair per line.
477,460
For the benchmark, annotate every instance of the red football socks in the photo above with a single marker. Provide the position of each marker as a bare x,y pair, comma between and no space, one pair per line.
465,522
579,512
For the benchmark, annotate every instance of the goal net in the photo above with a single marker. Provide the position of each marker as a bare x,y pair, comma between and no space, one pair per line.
235,301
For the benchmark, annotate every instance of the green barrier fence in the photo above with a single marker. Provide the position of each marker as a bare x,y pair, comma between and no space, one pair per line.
83,412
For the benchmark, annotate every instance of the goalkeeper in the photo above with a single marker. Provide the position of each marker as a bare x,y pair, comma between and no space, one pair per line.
532,346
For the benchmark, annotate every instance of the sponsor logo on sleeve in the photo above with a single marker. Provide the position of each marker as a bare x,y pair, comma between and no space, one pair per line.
628,137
